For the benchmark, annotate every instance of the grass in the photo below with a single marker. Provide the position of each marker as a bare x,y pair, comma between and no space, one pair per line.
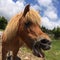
1,30
54,52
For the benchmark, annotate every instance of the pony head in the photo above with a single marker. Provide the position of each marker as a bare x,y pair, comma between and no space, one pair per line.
30,32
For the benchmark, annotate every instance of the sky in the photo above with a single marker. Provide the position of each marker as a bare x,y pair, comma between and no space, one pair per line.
49,10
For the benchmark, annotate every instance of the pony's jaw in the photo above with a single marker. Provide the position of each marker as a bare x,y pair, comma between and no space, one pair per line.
41,45
38,52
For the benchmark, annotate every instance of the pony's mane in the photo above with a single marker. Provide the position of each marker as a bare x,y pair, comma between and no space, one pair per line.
34,16
12,26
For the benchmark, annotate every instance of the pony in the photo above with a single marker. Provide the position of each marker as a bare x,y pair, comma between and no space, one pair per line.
25,28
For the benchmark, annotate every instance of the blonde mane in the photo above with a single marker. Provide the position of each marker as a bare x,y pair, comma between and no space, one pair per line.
34,16
12,26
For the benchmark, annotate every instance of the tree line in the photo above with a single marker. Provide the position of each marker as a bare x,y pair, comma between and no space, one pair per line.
54,32
3,22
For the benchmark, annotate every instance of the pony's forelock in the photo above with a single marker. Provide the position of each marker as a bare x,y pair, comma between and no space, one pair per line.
33,16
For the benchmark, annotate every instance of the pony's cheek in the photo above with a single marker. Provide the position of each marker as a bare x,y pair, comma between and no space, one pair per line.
32,36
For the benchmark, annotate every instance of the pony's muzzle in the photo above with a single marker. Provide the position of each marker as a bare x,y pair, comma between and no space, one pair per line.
40,45
45,44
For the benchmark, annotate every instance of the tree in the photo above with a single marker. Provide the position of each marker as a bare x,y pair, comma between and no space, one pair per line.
56,32
3,22
46,30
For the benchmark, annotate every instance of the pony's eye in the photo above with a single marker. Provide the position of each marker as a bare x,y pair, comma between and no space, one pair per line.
28,23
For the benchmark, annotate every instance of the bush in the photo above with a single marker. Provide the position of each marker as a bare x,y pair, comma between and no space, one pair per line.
3,22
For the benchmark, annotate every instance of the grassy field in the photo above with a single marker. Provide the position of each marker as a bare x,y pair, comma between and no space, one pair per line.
54,53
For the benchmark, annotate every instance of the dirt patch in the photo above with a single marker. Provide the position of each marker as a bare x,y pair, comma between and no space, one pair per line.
25,54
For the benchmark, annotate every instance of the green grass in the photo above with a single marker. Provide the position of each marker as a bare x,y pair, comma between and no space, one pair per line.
1,30
54,52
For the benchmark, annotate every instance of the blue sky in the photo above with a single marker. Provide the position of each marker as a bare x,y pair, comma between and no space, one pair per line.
57,5
49,10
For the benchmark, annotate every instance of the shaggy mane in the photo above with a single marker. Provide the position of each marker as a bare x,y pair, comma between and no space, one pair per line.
34,16
12,26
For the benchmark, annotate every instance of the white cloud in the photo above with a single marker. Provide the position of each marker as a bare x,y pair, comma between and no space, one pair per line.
46,23
50,18
36,7
49,24
51,14
8,8
50,11
58,23
45,3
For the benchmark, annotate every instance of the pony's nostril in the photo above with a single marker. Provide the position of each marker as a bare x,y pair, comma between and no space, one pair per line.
44,41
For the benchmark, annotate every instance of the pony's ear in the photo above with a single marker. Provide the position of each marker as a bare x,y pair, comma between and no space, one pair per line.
27,8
